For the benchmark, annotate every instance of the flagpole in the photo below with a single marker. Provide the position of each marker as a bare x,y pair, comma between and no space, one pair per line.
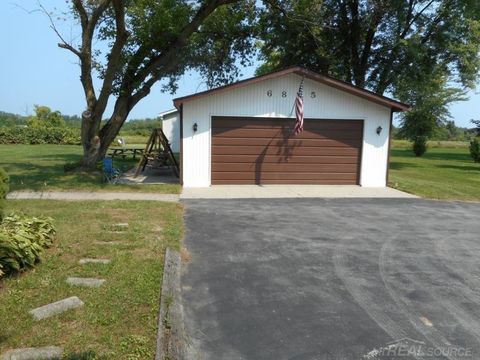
299,109
293,106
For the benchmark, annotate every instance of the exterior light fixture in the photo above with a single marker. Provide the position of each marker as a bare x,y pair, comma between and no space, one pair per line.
195,127
379,130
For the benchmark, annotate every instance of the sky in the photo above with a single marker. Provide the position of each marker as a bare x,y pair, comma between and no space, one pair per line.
34,71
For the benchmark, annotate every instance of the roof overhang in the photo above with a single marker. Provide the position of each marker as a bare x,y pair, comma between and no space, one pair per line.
168,112
394,105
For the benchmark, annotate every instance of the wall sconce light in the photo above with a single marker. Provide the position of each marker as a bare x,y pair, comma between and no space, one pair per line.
379,130
195,127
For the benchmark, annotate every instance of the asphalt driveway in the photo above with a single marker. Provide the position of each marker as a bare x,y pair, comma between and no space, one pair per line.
332,279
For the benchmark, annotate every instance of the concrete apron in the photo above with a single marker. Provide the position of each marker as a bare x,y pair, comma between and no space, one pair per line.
291,191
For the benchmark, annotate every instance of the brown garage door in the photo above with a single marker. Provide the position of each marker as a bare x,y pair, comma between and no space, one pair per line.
263,151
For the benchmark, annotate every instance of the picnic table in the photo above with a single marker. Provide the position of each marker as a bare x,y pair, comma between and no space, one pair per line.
123,152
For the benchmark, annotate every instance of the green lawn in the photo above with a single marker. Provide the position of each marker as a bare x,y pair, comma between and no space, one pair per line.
442,173
119,319
446,171
405,144
40,167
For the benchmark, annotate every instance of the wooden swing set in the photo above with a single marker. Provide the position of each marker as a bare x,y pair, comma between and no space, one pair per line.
158,154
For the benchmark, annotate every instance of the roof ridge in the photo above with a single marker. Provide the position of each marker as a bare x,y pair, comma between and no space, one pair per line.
325,79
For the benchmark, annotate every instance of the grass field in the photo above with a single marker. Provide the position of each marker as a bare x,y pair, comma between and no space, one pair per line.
134,140
446,171
119,319
432,144
40,167
442,173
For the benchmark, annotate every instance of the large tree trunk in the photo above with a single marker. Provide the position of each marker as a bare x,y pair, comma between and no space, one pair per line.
144,68
90,140
96,140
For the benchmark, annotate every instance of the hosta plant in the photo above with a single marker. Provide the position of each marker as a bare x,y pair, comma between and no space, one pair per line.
22,240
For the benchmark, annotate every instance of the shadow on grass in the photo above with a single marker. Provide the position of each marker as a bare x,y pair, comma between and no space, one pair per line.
460,167
36,176
67,157
447,156
398,165
3,338
401,152
88,355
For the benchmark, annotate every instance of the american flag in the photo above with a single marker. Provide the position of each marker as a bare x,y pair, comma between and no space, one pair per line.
299,111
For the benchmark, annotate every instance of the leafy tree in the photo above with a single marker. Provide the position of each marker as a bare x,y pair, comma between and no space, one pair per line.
477,124
150,41
9,119
373,43
431,98
45,117
409,48
73,121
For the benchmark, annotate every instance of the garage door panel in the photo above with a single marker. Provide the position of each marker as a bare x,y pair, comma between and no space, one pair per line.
283,144
286,182
242,141
288,176
264,151
275,123
314,159
297,151
279,134
285,168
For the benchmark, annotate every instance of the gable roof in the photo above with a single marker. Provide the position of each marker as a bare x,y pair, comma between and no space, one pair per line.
166,113
327,80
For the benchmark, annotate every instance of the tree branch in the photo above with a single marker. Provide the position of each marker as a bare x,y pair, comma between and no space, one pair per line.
367,48
63,44
88,29
114,57
174,48
409,23
435,22
82,13
68,47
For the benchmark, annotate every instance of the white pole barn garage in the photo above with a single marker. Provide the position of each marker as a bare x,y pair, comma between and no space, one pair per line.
243,133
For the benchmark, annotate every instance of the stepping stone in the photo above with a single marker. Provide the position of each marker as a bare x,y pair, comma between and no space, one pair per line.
42,353
56,308
108,243
88,282
121,225
94,261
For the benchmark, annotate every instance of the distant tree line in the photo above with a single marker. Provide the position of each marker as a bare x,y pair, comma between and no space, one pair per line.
9,119
52,127
447,131
131,127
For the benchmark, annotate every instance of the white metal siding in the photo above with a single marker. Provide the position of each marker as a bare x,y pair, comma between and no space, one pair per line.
171,129
252,100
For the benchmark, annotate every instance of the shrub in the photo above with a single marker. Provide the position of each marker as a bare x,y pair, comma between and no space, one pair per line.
419,145
39,135
475,149
3,190
22,239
